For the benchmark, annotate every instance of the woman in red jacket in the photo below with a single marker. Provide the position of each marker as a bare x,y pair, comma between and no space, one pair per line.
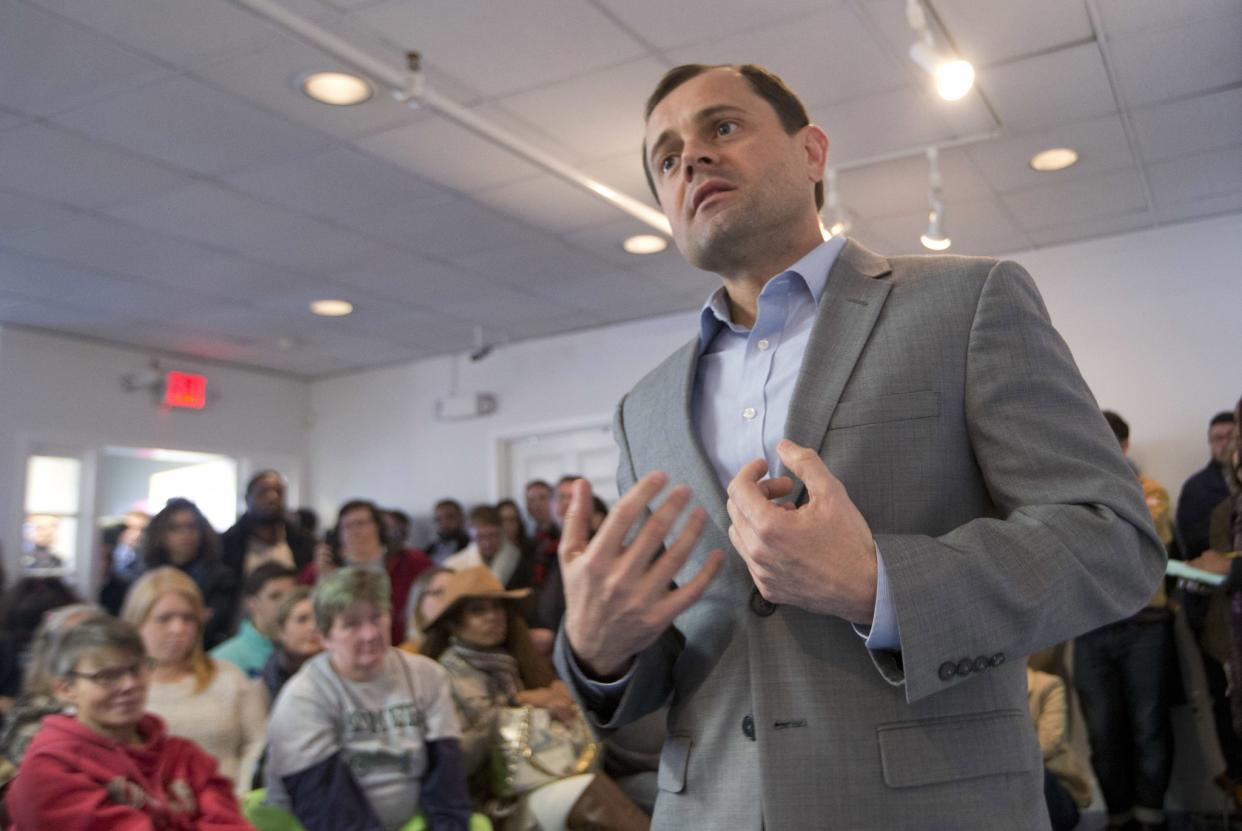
111,766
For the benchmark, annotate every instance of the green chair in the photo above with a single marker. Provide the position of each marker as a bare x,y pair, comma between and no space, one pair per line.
270,818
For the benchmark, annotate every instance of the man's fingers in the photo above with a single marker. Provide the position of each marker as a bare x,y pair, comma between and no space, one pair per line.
624,514
776,488
746,495
683,597
807,466
577,521
651,536
675,555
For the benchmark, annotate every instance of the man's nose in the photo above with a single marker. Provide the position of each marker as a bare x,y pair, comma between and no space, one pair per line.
695,157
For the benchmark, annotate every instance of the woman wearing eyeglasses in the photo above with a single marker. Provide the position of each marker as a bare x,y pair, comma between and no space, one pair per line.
111,765
210,702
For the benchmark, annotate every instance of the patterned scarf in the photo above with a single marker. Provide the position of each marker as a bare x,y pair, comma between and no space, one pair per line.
500,667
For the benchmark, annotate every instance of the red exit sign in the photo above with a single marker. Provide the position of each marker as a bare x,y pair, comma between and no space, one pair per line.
183,389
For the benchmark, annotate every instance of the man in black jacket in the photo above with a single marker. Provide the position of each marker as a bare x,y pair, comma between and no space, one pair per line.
264,533
1205,489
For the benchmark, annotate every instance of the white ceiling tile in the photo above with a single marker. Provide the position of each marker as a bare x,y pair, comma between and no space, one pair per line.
227,219
667,25
48,315
1039,92
43,279
824,58
536,264
342,185
883,123
1100,226
451,228
19,211
499,48
1197,208
976,226
901,186
1122,17
605,241
1190,126
1100,143
271,78
1197,177
60,64
623,173
1163,63
52,163
1079,200
987,33
453,156
191,125
550,203
418,281
9,120
613,293
594,115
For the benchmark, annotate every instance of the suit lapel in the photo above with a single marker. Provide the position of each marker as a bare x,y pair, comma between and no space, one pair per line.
688,459
848,311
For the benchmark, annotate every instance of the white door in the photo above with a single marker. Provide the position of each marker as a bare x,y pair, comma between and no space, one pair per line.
588,452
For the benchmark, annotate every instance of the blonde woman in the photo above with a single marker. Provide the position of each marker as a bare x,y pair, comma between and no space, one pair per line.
209,702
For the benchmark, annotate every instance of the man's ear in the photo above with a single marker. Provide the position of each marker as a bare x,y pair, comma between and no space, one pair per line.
815,144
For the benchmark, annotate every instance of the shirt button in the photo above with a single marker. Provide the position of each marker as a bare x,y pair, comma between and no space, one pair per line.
749,413
763,344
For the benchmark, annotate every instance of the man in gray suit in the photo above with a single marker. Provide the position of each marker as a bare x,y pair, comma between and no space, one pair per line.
843,644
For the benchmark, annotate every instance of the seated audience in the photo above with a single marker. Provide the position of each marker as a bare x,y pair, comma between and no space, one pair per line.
1067,789
365,735
396,528
545,534
451,535
426,600
263,592
180,536
481,639
37,698
21,612
265,532
210,702
491,549
111,765
296,640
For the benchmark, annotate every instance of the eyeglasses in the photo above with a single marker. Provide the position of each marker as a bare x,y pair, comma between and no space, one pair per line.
110,677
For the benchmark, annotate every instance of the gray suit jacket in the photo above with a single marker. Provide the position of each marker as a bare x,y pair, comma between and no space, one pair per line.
938,392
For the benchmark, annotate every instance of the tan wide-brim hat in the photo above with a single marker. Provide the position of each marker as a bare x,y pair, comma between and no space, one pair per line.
476,582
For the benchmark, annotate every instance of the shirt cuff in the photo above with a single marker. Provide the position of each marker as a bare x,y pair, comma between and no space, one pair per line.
882,634
598,692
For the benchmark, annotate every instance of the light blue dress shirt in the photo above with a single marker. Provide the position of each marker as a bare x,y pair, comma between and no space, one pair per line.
745,382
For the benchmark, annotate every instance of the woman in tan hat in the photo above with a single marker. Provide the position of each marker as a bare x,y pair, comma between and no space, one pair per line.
482,640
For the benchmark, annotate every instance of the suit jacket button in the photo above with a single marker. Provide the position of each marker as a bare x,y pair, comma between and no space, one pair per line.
982,663
947,670
965,667
760,605
998,659
748,726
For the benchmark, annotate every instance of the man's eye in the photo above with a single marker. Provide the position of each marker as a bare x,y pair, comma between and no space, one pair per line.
725,128
667,163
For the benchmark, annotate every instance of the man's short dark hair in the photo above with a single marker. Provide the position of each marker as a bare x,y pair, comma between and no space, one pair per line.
1223,417
262,474
766,84
537,483
1118,424
264,574
569,477
484,515
399,516
444,503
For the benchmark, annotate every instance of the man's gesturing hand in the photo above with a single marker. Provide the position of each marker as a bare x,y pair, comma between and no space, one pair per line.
820,556
618,599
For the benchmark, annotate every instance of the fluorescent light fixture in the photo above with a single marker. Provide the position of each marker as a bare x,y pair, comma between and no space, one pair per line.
1053,159
339,89
934,237
838,221
645,244
954,77
332,308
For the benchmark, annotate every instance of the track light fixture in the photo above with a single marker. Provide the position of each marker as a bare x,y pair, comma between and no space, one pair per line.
954,77
934,237
838,222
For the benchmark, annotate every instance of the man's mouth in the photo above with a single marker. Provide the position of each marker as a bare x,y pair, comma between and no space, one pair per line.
707,190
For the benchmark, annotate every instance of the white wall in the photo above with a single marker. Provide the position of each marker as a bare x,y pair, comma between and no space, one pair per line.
68,392
1149,317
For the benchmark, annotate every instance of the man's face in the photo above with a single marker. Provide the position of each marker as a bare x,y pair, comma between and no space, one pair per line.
265,605
538,504
489,539
358,640
448,520
267,498
564,495
727,174
1220,438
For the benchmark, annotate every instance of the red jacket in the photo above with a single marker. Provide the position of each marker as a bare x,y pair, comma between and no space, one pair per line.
75,779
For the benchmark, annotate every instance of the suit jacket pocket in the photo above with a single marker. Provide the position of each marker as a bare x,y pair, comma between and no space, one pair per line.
674,758
901,407
932,751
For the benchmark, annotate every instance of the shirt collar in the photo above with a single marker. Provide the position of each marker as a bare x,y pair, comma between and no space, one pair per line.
812,269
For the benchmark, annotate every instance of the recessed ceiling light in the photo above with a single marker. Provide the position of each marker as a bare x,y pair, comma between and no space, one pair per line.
645,244
1056,158
332,308
337,88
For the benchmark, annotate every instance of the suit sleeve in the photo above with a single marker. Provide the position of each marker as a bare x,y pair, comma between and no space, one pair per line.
649,682
1070,546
